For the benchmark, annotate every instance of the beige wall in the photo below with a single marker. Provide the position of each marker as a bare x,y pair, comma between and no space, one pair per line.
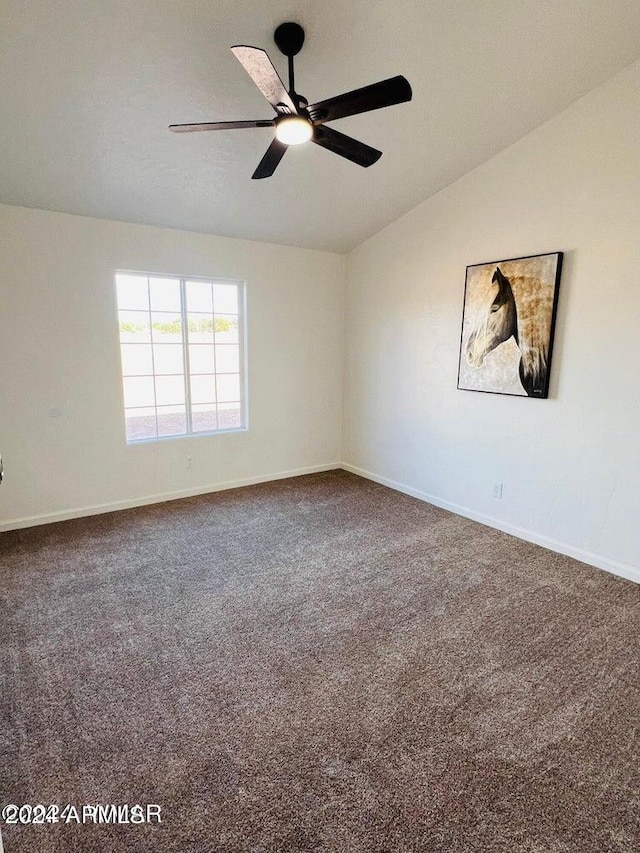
570,464
59,350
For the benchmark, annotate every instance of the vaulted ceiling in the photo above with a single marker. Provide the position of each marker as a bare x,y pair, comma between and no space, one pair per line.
89,88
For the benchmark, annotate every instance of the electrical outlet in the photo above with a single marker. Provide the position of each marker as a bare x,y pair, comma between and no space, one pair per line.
497,490
189,461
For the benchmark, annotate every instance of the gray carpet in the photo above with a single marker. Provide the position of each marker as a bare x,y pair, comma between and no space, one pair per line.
317,664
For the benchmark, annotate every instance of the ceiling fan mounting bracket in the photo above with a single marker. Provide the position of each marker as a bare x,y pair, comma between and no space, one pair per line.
289,37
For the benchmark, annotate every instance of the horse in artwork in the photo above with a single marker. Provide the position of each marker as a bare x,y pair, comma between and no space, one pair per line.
522,309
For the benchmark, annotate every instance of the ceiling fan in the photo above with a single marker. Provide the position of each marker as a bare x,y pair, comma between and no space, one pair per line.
297,122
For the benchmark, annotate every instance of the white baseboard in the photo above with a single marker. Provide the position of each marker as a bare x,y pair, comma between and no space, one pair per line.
623,570
145,500
614,567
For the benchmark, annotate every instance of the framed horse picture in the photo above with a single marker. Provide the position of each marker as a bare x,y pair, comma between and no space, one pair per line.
508,321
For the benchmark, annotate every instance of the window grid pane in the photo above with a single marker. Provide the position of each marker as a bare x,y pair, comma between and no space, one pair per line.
181,351
200,328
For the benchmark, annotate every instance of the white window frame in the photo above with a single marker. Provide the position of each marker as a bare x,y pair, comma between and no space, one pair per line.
242,356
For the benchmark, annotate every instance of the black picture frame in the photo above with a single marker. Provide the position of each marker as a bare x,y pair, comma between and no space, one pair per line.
508,325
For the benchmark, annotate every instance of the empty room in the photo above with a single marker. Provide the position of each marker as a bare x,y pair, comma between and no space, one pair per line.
319,426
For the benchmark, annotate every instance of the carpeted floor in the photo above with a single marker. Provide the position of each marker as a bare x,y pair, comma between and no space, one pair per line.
317,664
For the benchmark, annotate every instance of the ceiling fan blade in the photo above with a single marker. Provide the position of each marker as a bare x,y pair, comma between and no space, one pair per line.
219,125
260,68
345,146
395,90
269,163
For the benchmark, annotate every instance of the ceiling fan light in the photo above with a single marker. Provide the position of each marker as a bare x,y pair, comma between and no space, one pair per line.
293,130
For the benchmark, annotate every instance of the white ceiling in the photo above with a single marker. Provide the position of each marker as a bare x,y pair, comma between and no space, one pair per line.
89,87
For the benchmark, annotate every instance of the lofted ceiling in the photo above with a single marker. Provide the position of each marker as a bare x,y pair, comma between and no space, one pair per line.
89,88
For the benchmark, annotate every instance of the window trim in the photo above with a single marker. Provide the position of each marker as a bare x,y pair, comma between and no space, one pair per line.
241,284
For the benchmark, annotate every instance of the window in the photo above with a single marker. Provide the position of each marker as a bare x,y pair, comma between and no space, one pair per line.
181,343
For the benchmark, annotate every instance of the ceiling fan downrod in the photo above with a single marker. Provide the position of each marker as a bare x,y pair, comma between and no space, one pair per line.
289,37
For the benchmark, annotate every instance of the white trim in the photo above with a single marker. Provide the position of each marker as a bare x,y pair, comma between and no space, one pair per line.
145,500
623,570
612,566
